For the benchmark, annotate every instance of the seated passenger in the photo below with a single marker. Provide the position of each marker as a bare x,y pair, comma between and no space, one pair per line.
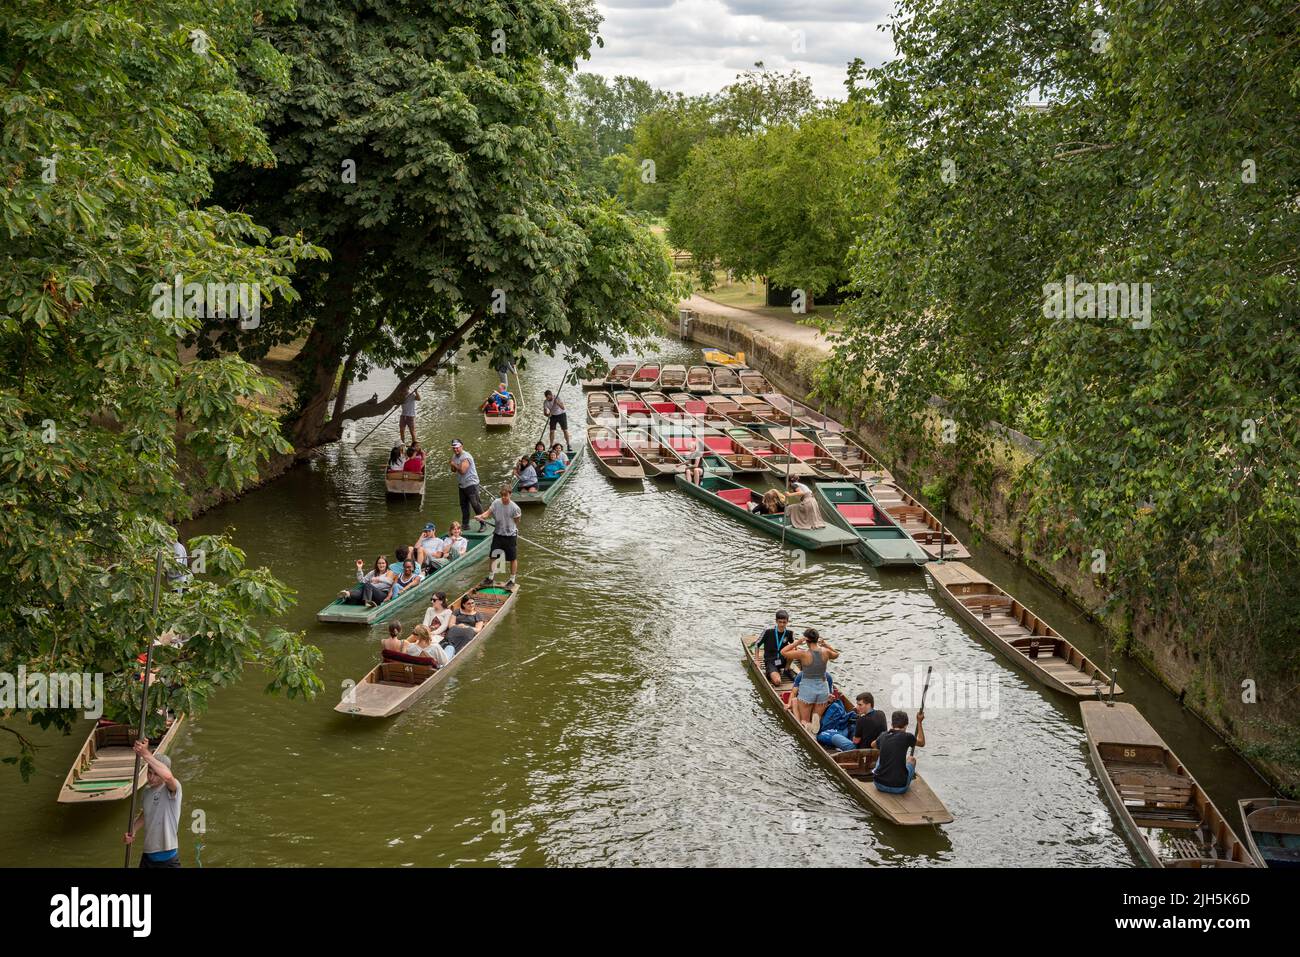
451,547
539,456
895,769
870,723
372,586
466,623
396,459
394,640
559,452
501,400
554,466
437,617
426,544
414,459
526,474
771,504
409,578
836,723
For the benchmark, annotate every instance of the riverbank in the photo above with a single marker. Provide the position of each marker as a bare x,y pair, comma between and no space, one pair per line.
1209,681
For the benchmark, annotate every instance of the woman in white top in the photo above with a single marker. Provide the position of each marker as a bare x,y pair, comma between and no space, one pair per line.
438,615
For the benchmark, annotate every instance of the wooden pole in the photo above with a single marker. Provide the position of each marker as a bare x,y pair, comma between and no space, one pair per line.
921,710
144,693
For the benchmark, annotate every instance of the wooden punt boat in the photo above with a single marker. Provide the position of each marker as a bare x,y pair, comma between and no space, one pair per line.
857,461
626,398
733,412
1016,633
547,489
737,500
880,541
1272,828
754,382
739,459
339,612
620,374
1168,816
681,443
655,397
646,377
778,461
672,377
726,382
612,456
601,408
807,450
103,766
404,483
697,410
399,681
917,520
594,375
765,411
716,359
657,459
804,412
920,805
699,380
498,418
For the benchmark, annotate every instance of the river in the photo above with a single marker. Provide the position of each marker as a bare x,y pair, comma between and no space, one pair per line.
609,719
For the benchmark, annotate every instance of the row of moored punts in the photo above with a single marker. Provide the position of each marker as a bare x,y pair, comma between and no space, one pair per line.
642,424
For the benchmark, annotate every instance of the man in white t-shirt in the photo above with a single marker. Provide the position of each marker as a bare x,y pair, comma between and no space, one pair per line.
407,419
160,812
555,412
505,537
447,549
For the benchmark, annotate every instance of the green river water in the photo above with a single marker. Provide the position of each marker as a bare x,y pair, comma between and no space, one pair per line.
609,719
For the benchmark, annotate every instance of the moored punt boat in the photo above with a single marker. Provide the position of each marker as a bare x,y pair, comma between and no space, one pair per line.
340,612
1168,816
681,442
398,681
1017,633
737,500
594,375
915,519
612,456
753,382
880,541
403,483
672,377
601,408
716,359
645,377
699,380
726,382
857,461
853,769
1272,828
778,460
102,770
547,489
620,374
697,409
650,398
765,411
738,458
804,412
733,412
657,459
807,450
626,398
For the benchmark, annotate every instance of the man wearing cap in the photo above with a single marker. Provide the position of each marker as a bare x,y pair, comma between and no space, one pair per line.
505,537
426,546
462,463
772,641
160,812
555,412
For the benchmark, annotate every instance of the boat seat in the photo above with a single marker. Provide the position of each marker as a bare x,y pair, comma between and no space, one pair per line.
985,604
1156,795
400,673
736,496
717,443
858,514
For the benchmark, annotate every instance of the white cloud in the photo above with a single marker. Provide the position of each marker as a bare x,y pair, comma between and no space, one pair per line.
698,46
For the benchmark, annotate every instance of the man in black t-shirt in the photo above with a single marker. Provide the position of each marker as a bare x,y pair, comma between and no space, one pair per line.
870,723
773,640
894,768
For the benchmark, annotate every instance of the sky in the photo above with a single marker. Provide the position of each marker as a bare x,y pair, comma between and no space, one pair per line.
698,46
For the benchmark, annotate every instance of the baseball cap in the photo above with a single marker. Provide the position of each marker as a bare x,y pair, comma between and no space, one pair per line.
430,527
456,444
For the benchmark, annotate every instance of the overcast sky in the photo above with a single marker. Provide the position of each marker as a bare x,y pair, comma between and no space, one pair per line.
698,46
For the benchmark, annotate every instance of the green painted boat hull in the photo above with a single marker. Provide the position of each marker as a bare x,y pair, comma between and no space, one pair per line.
480,543
881,545
548,490
809,539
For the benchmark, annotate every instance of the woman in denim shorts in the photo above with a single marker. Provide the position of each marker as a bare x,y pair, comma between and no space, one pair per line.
814,692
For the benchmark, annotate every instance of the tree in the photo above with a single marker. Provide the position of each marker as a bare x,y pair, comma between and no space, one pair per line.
602,115
116,117
1045,145
420,145
760,99
661,142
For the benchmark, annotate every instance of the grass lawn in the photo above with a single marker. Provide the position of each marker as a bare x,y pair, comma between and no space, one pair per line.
750,295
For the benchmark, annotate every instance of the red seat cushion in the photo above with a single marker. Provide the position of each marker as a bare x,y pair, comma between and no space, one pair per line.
804,450
736,496
858,514
717,443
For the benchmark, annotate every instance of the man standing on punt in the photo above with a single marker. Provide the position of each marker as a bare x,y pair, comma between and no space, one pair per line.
462,463
505,537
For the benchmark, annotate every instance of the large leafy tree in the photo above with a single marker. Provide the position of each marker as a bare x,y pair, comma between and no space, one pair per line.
602,115
419,143
784,202
116,116
1128,143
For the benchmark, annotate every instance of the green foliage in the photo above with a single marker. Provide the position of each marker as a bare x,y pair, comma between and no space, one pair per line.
1170,447
115,122
465,217
601,115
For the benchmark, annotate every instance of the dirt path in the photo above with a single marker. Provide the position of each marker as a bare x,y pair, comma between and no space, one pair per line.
782,329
